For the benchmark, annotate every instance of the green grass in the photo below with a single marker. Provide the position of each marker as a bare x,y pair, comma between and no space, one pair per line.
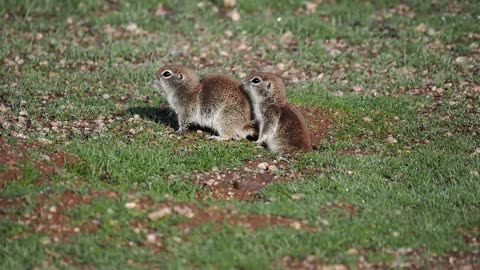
416,193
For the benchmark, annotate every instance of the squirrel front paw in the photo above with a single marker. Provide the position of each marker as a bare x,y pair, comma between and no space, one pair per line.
181,130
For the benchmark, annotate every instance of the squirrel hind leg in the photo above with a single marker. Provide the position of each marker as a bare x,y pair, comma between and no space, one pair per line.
249,131
224,134
241,134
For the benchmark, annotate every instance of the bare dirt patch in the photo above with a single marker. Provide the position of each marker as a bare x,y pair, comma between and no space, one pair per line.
411,260
13,158
356,152
9,160
348,209
456,260
308,263
154,240
52,162
471,235
196,215
49,214
232,217
51,218
407,258
244,182
10,203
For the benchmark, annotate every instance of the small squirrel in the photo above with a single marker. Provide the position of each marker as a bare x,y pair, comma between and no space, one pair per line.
282,127
216,101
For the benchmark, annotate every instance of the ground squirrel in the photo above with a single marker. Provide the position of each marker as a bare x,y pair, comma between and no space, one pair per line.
216,102
281,125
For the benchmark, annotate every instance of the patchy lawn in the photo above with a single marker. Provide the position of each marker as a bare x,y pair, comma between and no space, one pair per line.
92,174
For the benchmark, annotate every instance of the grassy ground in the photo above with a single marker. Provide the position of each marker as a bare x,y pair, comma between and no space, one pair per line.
87,156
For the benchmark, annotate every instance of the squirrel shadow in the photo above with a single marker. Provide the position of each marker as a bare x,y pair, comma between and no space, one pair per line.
163,114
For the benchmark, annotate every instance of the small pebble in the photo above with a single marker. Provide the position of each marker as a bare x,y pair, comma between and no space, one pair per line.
263,166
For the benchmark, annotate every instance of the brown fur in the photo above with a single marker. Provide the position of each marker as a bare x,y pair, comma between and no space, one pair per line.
281,125
216,101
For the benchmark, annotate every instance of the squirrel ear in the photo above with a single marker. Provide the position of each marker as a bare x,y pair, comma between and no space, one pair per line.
180,76
269,85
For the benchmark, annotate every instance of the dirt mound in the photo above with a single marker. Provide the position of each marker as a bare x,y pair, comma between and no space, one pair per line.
243,182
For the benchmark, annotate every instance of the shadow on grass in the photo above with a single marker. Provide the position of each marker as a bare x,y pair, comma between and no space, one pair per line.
167,116
163,114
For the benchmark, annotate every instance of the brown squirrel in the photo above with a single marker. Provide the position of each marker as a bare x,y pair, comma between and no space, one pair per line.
216,102
282,127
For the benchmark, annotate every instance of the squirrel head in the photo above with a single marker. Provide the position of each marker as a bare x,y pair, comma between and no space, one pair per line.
265,86
176,78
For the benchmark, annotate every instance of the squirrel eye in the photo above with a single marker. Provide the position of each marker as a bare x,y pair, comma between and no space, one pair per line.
256,80
166,74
